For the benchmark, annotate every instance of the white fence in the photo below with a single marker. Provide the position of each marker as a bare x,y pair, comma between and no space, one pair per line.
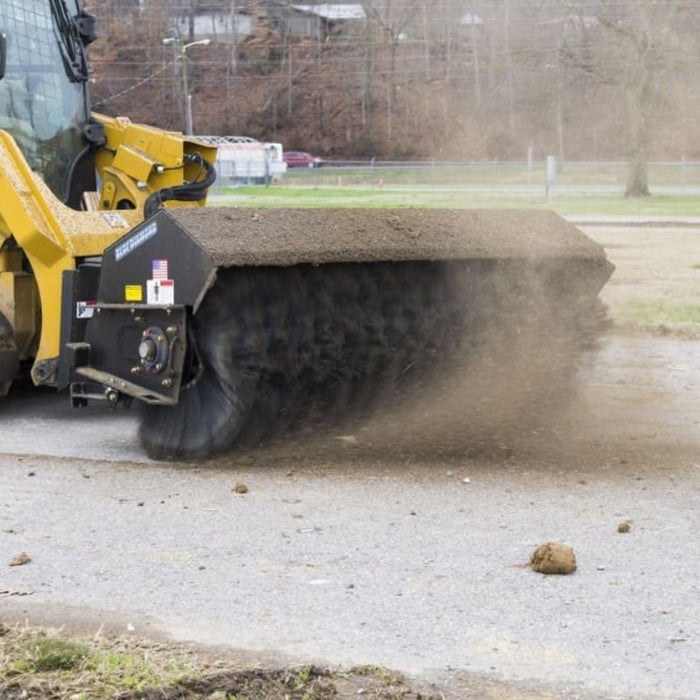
590,177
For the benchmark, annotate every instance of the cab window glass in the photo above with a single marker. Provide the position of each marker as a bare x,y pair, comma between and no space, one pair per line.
40,106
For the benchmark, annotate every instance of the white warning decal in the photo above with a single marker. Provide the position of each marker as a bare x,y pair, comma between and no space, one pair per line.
160,290
84,309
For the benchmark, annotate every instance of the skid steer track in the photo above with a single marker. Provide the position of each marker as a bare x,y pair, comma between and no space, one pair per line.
320,315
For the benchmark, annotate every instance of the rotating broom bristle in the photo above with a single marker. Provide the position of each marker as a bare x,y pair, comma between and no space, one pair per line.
307,345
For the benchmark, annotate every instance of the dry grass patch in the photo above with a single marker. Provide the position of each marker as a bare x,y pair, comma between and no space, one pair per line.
50,664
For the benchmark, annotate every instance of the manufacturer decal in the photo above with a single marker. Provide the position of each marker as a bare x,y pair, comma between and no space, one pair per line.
160,290
133,292
84,309
135,240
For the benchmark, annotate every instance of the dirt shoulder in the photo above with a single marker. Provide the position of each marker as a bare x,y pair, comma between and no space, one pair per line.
47,663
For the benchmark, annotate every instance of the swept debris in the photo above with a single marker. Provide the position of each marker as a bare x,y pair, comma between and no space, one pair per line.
553,558
21,559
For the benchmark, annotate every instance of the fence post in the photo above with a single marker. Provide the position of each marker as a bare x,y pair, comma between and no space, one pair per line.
683,175
551,176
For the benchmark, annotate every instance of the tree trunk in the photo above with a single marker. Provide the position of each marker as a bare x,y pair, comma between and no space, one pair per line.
368,87
560,109
638,99
509,68
475,59
637,177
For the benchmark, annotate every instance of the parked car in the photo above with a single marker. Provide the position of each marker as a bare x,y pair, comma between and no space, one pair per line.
300,159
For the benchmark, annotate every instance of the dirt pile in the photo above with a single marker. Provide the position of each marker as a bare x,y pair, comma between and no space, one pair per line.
247,236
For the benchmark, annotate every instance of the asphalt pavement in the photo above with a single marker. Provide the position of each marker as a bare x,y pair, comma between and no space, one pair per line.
347,556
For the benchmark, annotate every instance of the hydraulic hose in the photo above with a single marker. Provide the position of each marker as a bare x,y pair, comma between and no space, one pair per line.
189,192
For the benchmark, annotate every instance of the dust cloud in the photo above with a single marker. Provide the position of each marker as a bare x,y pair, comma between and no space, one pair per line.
439,327
510,379
512,384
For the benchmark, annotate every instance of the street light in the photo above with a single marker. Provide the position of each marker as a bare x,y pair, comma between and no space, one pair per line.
183,66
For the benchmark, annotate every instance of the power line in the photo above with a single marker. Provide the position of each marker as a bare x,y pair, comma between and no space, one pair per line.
137,85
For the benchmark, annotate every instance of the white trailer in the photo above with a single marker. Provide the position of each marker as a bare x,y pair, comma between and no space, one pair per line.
242,160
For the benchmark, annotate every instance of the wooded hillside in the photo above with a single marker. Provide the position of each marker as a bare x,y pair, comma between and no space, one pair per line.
449,79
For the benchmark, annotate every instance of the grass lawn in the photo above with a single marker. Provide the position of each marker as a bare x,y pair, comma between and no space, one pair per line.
578,204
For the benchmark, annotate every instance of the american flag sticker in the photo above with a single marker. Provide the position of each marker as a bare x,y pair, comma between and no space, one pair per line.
160,269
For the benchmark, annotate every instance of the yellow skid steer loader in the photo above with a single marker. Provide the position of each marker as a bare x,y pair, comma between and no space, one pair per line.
232,325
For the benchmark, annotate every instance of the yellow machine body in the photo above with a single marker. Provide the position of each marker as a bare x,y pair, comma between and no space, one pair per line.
40,237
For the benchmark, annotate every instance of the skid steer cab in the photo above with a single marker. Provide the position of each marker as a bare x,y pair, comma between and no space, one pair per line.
128,337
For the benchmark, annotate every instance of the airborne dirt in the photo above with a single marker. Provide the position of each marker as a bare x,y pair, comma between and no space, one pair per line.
406,552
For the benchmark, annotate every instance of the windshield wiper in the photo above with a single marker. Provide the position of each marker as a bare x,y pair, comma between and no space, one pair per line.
70,43
3,54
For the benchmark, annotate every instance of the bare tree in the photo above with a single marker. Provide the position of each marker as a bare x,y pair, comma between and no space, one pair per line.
392,20
630,49
467,79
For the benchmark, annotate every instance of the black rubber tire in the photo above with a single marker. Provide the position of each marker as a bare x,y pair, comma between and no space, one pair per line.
9,357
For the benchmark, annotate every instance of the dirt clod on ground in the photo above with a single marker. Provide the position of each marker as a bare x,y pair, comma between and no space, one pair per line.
553,558
240,487
21,559
624,526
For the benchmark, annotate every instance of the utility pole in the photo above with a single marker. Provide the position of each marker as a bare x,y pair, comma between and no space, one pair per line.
183,68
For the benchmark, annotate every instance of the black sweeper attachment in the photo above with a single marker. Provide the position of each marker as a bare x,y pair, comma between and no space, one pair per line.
237,325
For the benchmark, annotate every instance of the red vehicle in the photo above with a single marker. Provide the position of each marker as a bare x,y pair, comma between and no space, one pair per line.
300,159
